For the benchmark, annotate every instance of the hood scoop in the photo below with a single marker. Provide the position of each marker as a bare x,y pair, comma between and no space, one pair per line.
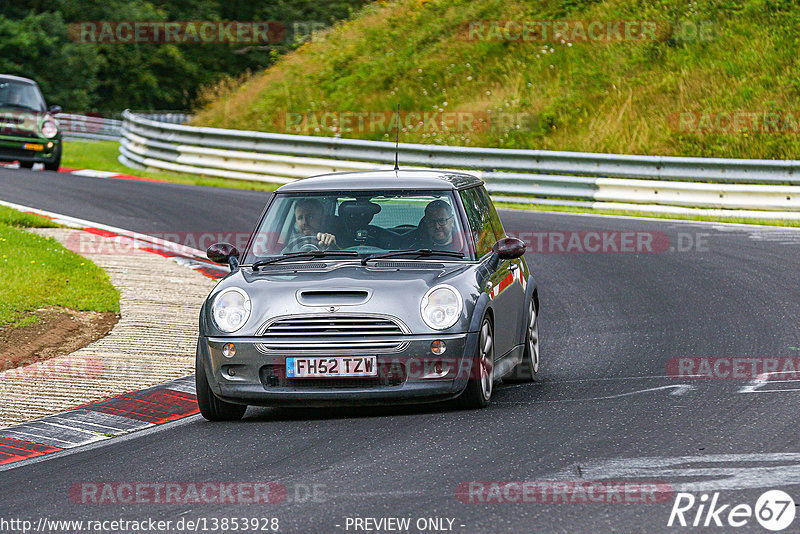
333,297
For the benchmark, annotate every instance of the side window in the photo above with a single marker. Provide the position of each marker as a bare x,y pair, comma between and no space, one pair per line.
479,214
497,226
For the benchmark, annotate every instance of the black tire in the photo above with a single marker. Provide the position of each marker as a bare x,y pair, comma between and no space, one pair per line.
478,392
55,164
211,406
527,369
25,164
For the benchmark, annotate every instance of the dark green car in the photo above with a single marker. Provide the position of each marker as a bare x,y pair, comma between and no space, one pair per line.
28,131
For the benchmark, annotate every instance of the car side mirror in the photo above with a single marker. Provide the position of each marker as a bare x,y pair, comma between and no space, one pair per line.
508,248
224,253
55,109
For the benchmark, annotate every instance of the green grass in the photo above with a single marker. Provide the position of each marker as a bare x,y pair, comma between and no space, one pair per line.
613,97
626,213
37,271
11,217
102,156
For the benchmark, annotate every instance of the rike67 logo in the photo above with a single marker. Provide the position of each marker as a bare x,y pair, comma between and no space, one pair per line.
774,510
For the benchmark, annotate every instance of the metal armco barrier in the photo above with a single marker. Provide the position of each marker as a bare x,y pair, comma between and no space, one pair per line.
96,127
88,127
755,188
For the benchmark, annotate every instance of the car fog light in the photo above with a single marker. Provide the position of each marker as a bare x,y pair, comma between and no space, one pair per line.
232,372
229,350
438,347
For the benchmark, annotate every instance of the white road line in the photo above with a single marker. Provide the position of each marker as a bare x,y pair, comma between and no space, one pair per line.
654,219
574,380
759,470
679,389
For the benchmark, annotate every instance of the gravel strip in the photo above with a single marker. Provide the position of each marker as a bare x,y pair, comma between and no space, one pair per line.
153,342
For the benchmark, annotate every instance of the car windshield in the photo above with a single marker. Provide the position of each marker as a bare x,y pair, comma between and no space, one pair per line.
20,95
368,223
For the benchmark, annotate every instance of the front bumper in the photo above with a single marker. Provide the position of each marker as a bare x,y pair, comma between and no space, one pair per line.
32,149
412,375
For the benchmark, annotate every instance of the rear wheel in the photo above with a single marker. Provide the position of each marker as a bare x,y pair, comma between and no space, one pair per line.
527,369
478,392
211,406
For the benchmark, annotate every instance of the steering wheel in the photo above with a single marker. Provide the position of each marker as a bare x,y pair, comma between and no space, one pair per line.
303,243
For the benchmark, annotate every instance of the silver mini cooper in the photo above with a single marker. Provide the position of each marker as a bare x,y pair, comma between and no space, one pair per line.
369,288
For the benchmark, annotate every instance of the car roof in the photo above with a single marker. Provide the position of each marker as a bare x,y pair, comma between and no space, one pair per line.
11,77
383,180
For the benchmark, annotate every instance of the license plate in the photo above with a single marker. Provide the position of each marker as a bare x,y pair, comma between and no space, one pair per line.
32,146
331,366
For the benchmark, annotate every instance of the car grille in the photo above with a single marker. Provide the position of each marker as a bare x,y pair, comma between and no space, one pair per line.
333,334
274,376
9,152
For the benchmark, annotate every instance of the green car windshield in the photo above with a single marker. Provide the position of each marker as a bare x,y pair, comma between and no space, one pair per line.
365,222
20,95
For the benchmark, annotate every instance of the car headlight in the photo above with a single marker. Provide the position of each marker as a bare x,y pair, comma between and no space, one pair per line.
49,128
441,307
231,309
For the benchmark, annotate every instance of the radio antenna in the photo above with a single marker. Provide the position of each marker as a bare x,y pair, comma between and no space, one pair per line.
397,142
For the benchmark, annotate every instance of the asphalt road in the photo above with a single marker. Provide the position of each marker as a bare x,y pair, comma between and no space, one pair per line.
606,408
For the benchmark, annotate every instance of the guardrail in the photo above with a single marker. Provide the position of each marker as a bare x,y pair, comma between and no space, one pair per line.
762,188
74,126
89,127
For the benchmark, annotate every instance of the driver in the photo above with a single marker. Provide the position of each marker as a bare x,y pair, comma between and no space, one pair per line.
308,217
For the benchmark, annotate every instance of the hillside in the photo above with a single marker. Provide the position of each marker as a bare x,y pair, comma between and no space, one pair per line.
718,78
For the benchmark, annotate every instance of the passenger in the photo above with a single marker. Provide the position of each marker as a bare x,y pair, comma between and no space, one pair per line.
436,229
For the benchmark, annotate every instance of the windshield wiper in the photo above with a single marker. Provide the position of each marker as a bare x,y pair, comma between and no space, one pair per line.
310,254
420,252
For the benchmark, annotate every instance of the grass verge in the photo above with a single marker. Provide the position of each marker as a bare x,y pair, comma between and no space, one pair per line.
38,271
717,78
102,156
649,215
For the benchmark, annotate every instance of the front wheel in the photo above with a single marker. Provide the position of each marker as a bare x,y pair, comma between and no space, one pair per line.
527,369
55,163
478,392
212,407
25,164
